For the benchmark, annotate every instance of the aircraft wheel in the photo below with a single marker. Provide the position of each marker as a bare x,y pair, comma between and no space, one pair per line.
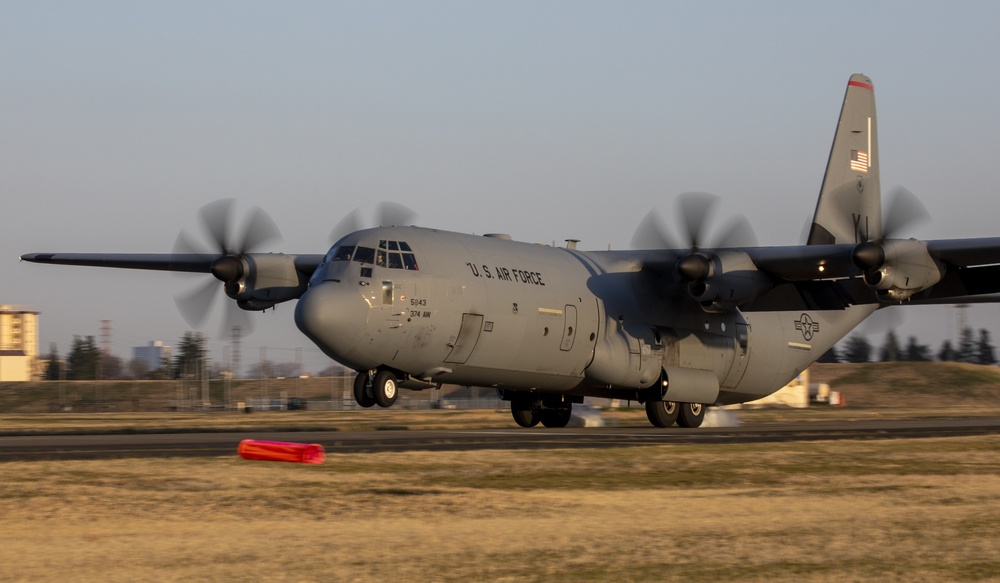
524,412
691,414
362,392
386,388
556,417
662,413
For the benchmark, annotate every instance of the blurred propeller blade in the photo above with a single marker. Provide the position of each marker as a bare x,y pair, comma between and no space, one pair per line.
347,225
236,316
194,305
904,210
259,230
215,218
393,214
737,232
694,209
650,233
186,245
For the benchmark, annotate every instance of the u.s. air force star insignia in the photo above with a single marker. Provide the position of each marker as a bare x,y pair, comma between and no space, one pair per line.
807,326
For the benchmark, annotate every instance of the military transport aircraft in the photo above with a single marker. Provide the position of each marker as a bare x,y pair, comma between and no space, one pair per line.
678,327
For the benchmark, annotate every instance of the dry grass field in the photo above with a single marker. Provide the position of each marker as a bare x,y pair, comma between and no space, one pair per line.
898,510
863,510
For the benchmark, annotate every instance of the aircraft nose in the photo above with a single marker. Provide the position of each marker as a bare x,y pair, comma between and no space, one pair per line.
333,315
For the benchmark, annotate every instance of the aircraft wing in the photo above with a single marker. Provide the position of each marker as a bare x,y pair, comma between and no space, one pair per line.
971,267
187,262
966,252
806,262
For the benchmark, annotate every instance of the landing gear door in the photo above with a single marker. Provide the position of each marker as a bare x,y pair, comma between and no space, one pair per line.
468,337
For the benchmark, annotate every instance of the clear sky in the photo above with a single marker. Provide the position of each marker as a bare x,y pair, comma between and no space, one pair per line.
545,120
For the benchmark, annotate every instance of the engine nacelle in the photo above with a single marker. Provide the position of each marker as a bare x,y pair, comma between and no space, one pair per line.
907,269
731,280
258,281
626,358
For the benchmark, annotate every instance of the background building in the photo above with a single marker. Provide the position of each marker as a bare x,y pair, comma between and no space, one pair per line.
153,354
18,344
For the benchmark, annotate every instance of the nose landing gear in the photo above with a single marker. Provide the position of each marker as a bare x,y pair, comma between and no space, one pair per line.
382,389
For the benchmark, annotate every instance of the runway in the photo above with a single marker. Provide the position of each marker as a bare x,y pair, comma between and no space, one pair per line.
64,447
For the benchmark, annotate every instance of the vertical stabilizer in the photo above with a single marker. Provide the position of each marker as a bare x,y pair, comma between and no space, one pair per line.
850,206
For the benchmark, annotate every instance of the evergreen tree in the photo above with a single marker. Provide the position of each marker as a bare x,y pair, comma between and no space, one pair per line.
890,348
947,352
966,351
915,352
53,370
858,349
190,356
984,349
830,355
83,359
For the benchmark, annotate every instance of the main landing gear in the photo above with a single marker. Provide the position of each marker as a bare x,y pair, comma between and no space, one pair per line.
529,412
666,413
382,389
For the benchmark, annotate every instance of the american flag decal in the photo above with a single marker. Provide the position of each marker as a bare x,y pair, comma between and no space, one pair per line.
859,161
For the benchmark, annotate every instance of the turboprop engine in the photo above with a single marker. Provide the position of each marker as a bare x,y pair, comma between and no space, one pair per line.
258,281
721,281
898,268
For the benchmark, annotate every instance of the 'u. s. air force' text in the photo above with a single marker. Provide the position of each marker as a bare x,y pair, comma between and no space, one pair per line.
505,274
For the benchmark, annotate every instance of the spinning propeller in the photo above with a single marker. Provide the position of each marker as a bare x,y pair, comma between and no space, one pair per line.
695,211
719,274
216,223
387,214
904,210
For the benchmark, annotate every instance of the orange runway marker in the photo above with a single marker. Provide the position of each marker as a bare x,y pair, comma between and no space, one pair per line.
281,451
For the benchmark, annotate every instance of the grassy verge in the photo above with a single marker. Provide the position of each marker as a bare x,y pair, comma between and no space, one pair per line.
899,510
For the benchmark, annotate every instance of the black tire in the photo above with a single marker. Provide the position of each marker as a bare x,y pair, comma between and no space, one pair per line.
386,388
362,392
691,414
556,418
662,413
524,412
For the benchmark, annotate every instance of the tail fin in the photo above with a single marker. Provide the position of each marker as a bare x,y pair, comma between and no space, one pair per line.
850,205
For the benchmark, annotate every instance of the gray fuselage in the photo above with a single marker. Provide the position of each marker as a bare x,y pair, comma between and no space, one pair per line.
442,307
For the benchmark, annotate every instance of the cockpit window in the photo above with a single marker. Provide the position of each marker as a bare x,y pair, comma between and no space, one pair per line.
364,255
388,255
409,261
343,253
